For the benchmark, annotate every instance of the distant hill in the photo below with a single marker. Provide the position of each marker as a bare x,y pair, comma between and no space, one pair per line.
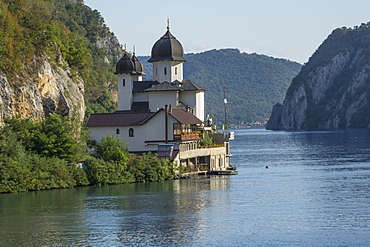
333,88
253,82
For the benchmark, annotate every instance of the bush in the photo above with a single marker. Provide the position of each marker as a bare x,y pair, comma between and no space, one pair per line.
100,172
149,168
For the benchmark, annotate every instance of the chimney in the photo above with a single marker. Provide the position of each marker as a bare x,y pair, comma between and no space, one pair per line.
166,123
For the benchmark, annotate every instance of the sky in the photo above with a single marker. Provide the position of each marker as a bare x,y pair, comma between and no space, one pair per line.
289,29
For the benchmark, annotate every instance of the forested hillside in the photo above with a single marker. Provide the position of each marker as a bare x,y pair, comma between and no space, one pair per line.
44,44
253,82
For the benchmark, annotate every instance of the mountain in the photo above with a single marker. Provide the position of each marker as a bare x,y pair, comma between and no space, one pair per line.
59,56
55,56
253,82
333,89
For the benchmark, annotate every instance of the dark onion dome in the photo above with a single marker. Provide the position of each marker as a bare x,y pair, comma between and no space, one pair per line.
125,66
167,48
139,67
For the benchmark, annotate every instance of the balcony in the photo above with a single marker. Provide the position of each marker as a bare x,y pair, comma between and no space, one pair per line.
187,136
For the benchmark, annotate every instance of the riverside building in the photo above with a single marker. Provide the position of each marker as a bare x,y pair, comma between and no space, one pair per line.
164,115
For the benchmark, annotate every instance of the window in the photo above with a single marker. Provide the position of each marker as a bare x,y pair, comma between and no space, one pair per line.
156,71
123,82
165,71
131,132
176,71
117,131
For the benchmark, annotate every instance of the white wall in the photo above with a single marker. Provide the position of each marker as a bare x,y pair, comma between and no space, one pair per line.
174,71
153,130
199,111
141,97
158,100
135,143
196,100
125,97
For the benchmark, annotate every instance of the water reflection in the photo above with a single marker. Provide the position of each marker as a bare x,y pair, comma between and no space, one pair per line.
316,192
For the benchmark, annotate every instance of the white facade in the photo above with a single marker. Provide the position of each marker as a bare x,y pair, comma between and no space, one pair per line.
168,71
194,99
125,96
158,100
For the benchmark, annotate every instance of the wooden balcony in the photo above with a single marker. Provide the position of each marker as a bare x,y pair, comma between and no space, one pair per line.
187,136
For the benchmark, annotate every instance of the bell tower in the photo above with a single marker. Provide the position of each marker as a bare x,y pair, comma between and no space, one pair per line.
167,58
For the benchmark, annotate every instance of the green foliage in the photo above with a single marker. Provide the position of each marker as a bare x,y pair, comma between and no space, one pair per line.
112,149
55,137
149,168
100,172
206,141
78,174
35,155
67,33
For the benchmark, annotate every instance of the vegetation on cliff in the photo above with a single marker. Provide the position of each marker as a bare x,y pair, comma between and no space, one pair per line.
70,35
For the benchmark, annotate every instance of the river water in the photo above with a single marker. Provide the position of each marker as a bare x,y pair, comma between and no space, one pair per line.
315,192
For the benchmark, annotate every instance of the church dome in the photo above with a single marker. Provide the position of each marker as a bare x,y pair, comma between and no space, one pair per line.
139,67
125,66
167,48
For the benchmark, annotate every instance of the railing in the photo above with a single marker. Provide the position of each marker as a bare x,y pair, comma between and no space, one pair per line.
187,136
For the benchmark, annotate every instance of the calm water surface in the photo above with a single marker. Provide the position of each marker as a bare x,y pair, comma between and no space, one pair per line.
315,192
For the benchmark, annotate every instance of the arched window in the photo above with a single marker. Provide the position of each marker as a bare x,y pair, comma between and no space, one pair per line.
131,132
165,71
117,131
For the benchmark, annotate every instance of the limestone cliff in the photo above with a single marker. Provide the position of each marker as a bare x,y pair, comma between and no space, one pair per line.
333,88
45,88
56,56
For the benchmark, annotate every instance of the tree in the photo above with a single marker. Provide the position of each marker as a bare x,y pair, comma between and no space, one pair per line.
112,149
60,138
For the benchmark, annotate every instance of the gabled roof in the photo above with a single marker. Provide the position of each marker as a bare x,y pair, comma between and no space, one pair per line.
137,118
188,85
118,119
184,117
140,107
140,86
164,86
155,86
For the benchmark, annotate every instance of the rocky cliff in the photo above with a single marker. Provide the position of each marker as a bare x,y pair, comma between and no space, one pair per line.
333,88
46,88
55,57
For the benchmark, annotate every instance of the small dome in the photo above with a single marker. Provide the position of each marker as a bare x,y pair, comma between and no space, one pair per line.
167,48
139,67
125,66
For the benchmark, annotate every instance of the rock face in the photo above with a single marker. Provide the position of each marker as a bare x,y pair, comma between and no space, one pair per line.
47,89
333,88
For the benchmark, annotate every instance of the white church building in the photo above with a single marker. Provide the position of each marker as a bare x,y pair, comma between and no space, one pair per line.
164,115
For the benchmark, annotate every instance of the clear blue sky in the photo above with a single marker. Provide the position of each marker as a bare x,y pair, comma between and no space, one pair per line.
291,29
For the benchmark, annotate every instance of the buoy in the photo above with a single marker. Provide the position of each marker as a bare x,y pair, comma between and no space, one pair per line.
267,167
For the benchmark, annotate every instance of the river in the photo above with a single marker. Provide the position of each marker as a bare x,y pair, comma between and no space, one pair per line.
304,188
